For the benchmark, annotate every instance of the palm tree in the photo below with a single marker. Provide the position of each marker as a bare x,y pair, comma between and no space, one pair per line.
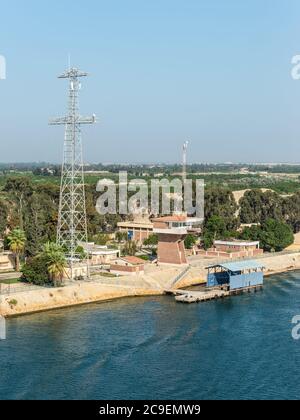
17,241
130,248
55,261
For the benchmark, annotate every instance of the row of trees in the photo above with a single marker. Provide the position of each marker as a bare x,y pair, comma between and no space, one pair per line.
274,235
33,208
258,206
47,267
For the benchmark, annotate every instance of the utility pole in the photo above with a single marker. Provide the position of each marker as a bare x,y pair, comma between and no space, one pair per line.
184,166
72,221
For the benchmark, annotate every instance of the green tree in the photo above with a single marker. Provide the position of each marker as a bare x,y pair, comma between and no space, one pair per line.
3,216
291,211
220,202
130,248
19,188
35,271
152,241
190,241
102,239
216,228
276,236
40,220
55,259
252,233
258,206
82,255
208,240
17,241
121,236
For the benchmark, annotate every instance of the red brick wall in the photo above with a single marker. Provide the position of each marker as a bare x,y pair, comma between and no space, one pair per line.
127,268
171,249
242,254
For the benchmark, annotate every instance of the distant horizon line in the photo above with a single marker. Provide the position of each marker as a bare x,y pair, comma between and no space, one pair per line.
156,163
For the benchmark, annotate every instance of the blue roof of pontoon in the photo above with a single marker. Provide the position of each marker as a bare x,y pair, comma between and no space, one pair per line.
239,265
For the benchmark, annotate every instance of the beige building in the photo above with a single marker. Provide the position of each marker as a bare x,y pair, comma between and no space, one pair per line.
233,249
125,266
100,255
7,262
139,229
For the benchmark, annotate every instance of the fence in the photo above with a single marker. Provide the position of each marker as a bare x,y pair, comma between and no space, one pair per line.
11,289
196,261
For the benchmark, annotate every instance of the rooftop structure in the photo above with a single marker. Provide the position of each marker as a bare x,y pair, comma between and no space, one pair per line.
236,275
177,224
234,244
172,231
99,255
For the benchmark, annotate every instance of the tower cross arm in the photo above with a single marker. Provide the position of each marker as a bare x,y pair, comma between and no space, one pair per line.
87,120
70,120
72,73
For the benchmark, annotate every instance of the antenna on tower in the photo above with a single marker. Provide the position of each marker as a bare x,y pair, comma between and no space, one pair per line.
184,165
69,61
72,221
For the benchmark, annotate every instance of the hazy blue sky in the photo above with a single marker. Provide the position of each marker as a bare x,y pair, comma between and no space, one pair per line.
215,72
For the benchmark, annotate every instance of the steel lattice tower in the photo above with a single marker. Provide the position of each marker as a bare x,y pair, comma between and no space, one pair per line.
72,221
184,161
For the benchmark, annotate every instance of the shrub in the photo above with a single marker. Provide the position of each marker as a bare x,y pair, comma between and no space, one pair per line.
35,271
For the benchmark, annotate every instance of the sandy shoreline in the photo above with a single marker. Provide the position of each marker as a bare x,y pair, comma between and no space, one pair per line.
153,284
80,294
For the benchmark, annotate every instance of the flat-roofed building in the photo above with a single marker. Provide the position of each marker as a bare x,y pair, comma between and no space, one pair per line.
233,249
7,261
99,255
128,266
239,246
138,230
236,275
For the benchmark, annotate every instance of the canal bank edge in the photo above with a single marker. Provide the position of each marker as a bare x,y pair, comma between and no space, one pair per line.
93,292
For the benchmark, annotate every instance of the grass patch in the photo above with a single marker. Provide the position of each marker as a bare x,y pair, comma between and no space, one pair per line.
107,275
145,257
10,281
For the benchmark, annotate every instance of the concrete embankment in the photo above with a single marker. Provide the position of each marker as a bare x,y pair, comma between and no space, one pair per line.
78,294
281,263
153,283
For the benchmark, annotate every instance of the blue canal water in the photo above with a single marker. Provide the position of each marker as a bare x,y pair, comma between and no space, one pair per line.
154,348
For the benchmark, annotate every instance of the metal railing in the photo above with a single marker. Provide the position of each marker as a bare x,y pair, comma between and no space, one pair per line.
10,289
180,276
